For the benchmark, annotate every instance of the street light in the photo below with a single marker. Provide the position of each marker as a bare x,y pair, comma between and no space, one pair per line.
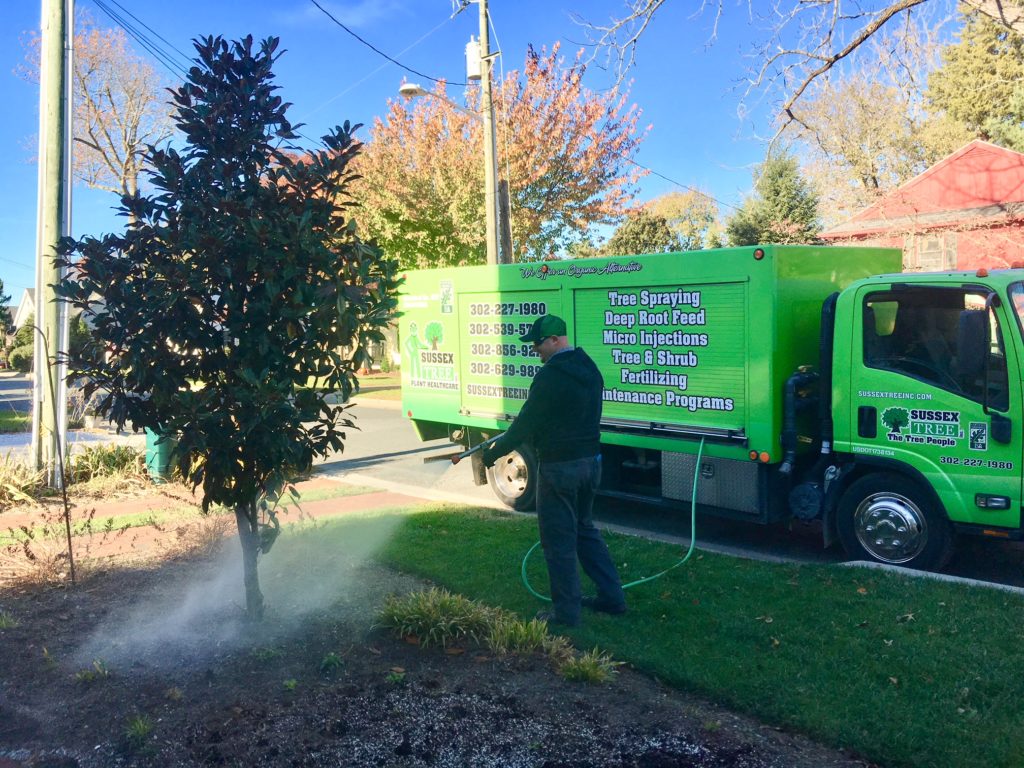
491,192
411,90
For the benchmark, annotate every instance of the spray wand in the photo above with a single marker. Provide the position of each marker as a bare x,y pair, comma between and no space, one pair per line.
456,458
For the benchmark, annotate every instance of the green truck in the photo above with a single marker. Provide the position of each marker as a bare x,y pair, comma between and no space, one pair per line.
815,383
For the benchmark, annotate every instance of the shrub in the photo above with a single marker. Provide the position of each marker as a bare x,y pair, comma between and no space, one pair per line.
20,358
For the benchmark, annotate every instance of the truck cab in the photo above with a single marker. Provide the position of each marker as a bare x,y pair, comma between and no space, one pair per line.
926,405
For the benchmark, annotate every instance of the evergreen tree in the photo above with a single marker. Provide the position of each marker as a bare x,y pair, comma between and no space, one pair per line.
782,210
5,315
979,81
1007,130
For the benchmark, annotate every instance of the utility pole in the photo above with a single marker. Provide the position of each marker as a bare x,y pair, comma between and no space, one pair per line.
53,217
495,254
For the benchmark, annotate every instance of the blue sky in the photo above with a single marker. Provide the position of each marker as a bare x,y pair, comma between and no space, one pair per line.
689,92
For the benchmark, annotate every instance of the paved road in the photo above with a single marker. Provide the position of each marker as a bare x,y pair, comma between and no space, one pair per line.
387,451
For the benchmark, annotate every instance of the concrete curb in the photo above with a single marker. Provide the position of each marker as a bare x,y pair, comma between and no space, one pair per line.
369,402
933,576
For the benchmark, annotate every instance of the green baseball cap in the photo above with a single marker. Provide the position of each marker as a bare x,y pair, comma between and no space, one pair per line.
544,326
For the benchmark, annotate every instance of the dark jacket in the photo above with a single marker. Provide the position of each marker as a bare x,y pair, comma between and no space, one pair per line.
562,414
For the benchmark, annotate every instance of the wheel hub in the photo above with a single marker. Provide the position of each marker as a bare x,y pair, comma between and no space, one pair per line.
510,475
891,527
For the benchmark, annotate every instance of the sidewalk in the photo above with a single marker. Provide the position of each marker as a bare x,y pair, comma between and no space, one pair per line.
186,526
17,444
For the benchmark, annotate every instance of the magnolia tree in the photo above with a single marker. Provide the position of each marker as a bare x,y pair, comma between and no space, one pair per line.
237,281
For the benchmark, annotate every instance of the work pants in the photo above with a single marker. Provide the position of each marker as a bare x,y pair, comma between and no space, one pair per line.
565,504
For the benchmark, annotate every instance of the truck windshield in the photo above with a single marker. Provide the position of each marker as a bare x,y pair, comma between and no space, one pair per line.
917,331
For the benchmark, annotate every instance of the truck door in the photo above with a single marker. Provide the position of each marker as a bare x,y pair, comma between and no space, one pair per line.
931,391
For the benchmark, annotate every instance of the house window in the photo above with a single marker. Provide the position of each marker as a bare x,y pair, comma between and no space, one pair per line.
930,252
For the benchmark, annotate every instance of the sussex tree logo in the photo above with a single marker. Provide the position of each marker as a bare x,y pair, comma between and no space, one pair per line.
895,419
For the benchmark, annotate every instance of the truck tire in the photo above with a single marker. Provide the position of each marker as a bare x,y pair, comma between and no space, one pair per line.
513,478
888,518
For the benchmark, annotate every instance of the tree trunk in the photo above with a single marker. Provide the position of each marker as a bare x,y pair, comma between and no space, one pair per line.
248,536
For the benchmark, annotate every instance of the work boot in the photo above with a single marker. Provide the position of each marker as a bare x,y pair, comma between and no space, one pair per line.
597,604
553,620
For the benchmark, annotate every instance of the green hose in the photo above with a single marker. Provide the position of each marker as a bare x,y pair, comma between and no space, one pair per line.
693,541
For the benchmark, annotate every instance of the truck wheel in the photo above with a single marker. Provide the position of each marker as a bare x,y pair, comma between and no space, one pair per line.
887,518
514,479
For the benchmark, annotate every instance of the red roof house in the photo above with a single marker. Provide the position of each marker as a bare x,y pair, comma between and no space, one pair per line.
965,212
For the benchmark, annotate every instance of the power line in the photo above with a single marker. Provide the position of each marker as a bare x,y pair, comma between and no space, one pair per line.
166,59
362,80
185,57
628,159
677,183
378,50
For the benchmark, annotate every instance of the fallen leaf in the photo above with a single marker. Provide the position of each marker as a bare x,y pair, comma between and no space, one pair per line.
398,670
455,651
412,640
894,681
861,591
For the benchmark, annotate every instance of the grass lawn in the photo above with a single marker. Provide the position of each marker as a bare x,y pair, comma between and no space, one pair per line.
904,671
377,386
12,421
383,386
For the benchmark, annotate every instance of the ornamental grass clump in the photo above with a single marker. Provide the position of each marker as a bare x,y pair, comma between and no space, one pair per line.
594,666
436,617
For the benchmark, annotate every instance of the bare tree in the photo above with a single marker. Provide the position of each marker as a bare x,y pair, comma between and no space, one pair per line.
869,130
804,39
120,106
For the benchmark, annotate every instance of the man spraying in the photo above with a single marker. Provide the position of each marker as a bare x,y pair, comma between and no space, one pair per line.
561,419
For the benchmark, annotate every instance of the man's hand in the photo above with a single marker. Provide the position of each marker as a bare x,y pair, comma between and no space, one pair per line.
490,456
